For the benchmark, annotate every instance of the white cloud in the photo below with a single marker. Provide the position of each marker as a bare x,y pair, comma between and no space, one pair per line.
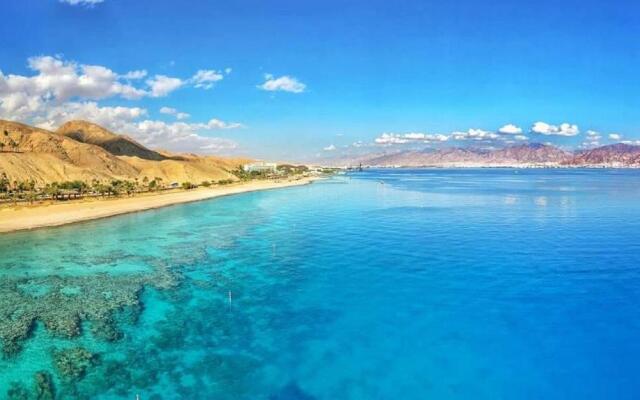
390,138
331,147
89,3
475,134
138,74
590,144
228,70
284,83
615,136
60,80
593,137
113,117
162,85
631,142
61,90
172,111
591,133
175,136
206,78
412,137
181,136
563,130
510,129
521,137
168,110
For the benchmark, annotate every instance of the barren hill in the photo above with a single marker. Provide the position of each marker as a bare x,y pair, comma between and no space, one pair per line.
614,155
119,145
30,153
85,151
531,154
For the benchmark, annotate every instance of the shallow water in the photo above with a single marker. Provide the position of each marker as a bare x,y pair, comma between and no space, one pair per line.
451,284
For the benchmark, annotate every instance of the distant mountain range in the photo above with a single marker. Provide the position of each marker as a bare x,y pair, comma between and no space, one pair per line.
527,155
80,150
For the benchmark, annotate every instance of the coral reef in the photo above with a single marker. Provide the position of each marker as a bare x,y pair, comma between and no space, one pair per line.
17,392
69,301
43,386
72,364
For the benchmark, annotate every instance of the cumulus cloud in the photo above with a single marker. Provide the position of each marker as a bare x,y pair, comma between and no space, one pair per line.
162,85
590,144
113,117
56,81
434,138
412,137
284,83
181,136
331,147
593,136
510,129
60,80
89,3
563,130
61,90
172,111
475,134
138,74
521,137
615,136
206,78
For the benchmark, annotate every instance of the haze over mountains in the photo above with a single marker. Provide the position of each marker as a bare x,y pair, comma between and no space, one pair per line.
527,155
80,150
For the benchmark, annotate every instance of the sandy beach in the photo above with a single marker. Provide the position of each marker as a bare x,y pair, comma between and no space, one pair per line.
25,217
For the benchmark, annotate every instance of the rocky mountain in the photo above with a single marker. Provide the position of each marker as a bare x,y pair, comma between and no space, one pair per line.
84,151
533,155
429,157
615,155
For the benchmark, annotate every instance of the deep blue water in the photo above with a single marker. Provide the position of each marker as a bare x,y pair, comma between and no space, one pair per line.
412,284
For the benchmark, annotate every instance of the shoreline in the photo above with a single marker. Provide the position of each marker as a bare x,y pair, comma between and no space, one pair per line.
57,214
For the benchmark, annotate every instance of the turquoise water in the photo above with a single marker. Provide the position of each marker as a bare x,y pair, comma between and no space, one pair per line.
442,284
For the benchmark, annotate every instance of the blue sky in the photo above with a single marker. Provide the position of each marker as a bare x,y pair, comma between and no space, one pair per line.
408,73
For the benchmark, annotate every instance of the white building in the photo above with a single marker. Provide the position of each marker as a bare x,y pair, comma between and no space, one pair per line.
260,167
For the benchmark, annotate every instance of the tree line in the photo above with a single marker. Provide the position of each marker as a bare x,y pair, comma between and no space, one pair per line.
28,190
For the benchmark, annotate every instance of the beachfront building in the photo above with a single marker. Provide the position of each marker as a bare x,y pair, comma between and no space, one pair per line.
261,167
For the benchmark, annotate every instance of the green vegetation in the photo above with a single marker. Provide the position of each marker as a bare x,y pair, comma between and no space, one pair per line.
30,191
282,171
289,169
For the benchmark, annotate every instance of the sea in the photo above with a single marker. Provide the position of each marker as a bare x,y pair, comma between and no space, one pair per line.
380,284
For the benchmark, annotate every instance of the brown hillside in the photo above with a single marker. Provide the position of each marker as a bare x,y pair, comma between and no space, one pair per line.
169,170
82,151
30,153
119,145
